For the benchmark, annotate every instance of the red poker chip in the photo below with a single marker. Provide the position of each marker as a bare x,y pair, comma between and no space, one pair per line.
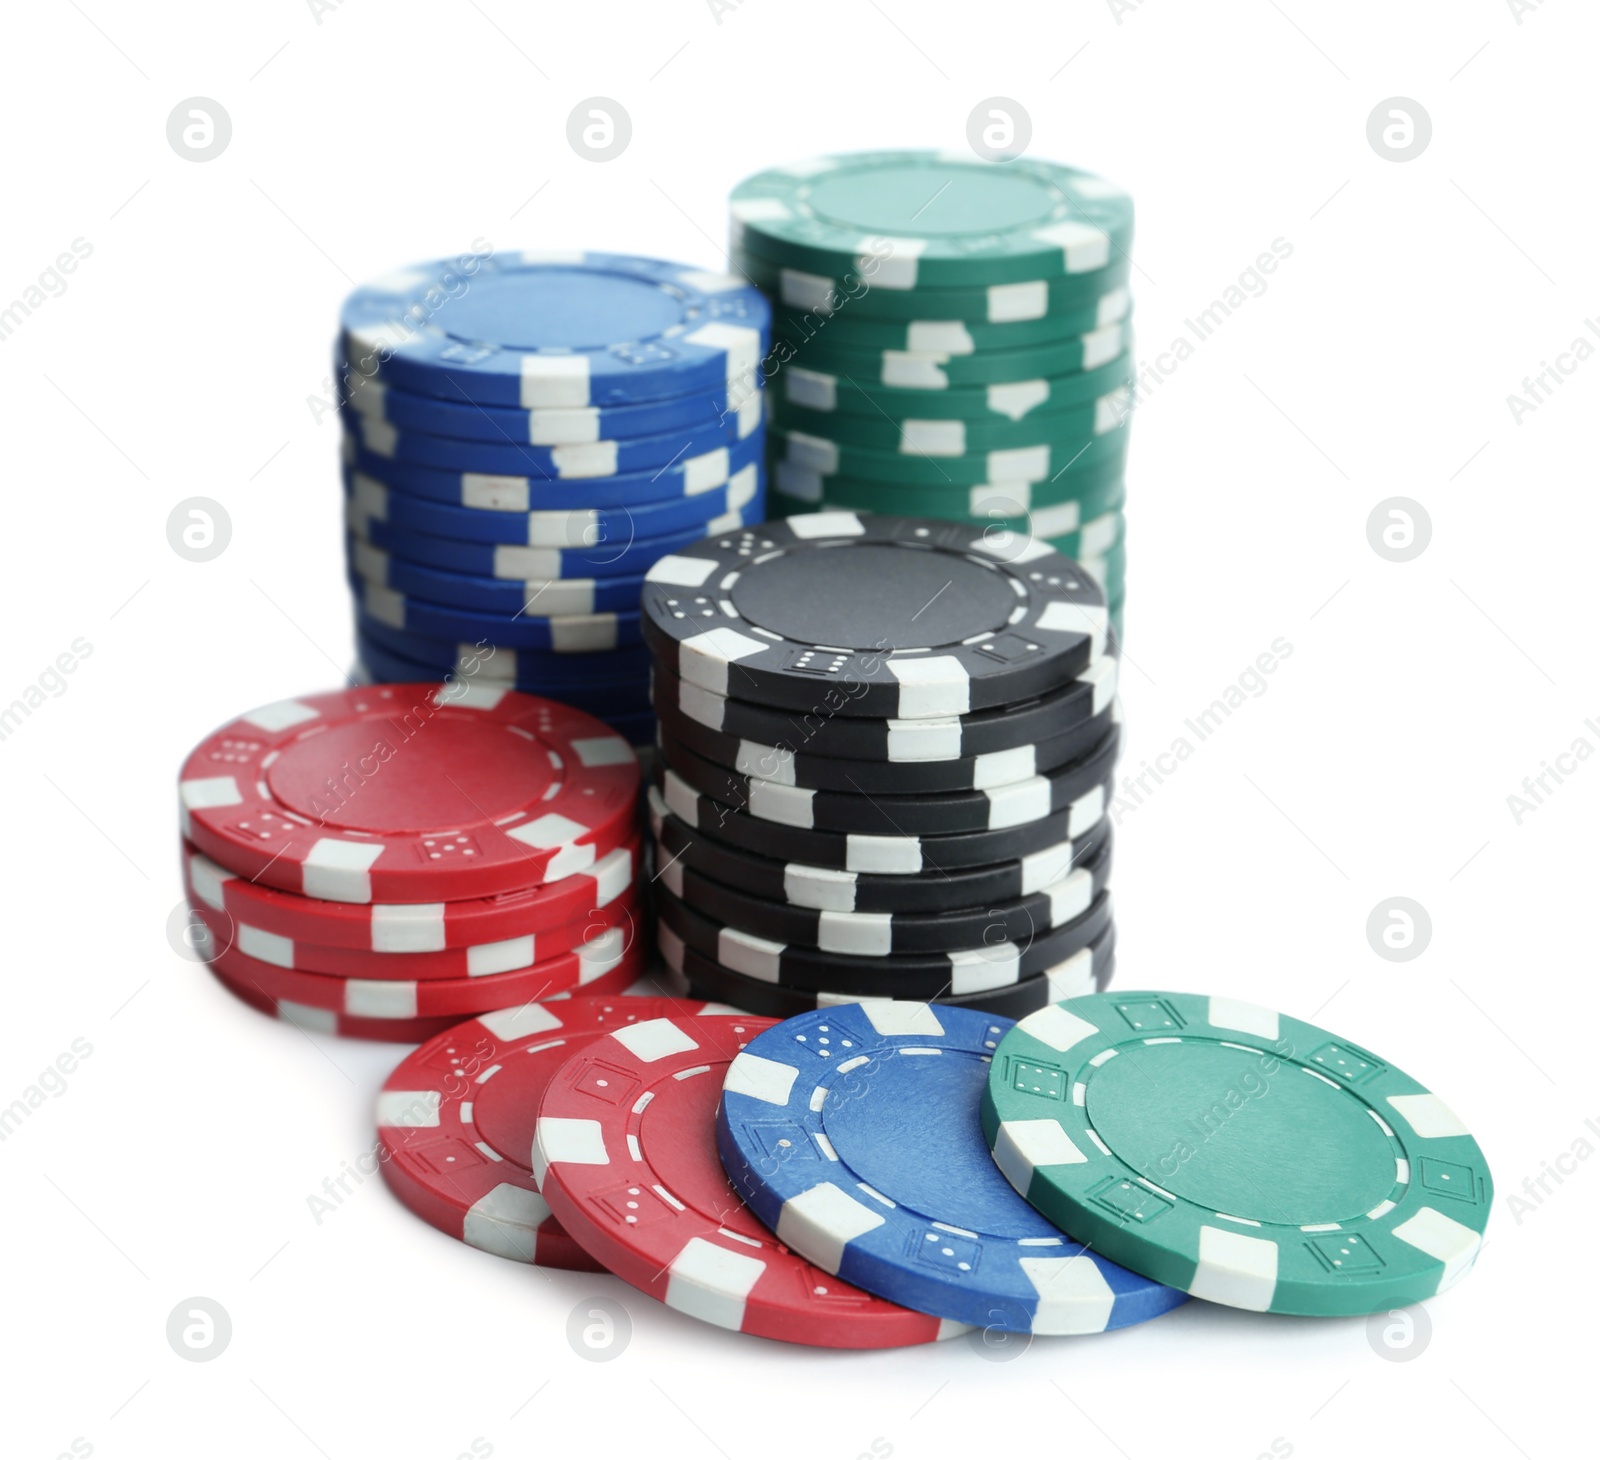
507,956
410,793
417,927
606,965
324,1021
625,1155
455,1121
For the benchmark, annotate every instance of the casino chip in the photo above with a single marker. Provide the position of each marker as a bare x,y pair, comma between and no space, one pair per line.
933,219
606,964
827,889
960,970
624,1153
1072,787
524,436
1141,1121
853,1133
556,330
456,1121
917,619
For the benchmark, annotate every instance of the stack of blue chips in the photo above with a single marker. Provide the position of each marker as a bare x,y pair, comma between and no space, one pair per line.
524,436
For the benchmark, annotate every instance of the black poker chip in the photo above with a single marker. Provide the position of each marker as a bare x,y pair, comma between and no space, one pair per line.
943,813
1087,972
877,935
891,976
830,889
913,618
895,855
807,769
823,729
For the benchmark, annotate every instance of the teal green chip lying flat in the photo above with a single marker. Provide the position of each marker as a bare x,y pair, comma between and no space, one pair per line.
1236,1153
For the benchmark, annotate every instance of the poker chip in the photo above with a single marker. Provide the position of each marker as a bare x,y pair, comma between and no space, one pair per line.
328,1021
824,730
827,456
807,770
947,336
855,852
498,516
409,793
509,560
1236,1153
867,934
373,400
885,1180
469,961
524,436
456,1120
607,963
932,219
594,459
959,970
916,618
828,889
625,1155
532,597
938,437
911,370
1087,300
539,330
1073,788
1086,972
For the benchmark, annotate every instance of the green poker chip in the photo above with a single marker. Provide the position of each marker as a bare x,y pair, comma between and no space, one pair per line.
905,370
820,390
936,437
1246,1157
1058,506
1089,544
850,331
933,219
1089,301
1040,463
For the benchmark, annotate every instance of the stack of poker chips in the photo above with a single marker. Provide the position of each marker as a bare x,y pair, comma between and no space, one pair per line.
885,748
950,339
385,862
524,435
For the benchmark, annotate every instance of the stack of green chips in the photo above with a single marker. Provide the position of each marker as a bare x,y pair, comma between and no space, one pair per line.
950,339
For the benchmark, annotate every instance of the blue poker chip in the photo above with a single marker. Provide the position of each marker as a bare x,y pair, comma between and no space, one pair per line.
600,699
853,1132
557,330
575,633
541,596
604,559
520,493
615,668
571,527
371,399
551,463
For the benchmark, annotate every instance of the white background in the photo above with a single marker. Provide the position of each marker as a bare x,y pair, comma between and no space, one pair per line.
180,362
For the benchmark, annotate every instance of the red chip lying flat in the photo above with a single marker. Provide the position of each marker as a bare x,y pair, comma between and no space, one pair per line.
625,1154
455,1121
607,964
417,927
410,793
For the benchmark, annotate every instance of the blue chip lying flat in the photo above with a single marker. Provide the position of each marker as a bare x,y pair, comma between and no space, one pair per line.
516,492
523,666
622,558
572,527
555,426
853,1133
555,463
557,330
